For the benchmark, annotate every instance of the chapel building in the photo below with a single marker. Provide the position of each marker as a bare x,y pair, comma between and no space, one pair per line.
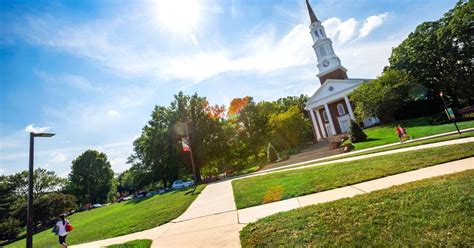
329,107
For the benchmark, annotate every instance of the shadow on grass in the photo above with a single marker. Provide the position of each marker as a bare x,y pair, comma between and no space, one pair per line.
369,140
139,200
189,191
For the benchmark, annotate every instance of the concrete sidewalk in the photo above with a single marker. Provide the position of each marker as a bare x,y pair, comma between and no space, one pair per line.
219,224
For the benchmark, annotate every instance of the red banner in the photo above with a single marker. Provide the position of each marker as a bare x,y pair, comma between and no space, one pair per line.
185,142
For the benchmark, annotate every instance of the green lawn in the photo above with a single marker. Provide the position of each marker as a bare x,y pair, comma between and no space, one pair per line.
435,212
398,146
277,186
417,128
139,243
120,219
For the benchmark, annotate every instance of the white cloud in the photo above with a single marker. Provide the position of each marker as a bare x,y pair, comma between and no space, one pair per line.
32,129
259,51
340,31
112,112
62,80
58,157
263,53
371,23
345,31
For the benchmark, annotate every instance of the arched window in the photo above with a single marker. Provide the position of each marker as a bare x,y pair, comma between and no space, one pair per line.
325,116
316,34
341,109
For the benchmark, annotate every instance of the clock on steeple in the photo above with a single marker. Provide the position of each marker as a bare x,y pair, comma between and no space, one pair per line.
329,64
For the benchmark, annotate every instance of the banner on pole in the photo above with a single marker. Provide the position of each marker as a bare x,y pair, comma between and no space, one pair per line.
450,113
185,142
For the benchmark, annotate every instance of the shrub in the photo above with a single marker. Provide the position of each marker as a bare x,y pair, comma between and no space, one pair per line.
355,133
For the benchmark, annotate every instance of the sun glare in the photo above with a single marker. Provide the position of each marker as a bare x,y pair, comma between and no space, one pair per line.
179,16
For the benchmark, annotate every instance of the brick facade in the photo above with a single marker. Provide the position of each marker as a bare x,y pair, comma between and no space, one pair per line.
336,74
335,113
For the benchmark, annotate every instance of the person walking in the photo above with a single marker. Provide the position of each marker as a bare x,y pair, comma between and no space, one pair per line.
405,134
61,230
399,131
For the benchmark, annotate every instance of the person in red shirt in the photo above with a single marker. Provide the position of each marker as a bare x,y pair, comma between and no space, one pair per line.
399,131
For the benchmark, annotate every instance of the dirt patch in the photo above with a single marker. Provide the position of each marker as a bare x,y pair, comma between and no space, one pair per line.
273,194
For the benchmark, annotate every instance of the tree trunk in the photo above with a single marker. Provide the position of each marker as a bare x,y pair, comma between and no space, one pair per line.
164,181
198,175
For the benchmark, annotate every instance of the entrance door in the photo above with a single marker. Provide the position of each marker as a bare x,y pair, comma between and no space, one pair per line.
344,122
328,129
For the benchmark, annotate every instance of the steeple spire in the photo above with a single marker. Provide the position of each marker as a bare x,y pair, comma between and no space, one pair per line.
312,16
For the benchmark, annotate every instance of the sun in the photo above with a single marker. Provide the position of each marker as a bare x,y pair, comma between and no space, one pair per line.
179,16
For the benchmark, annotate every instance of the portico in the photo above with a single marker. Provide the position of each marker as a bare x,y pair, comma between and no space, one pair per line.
330,108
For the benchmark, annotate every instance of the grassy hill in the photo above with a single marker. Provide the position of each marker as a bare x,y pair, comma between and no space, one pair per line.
120,219
254,191
417,128
435,212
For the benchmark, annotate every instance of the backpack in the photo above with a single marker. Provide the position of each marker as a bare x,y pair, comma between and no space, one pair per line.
55,230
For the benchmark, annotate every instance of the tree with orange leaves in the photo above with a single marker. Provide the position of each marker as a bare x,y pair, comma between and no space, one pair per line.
237,104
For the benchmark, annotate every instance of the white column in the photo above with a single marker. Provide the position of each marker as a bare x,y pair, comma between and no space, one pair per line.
315,124
320,122
349,107
331,124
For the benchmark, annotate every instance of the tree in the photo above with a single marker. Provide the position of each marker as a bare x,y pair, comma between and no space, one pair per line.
46,208
254,128
9,226
356,134
44,181
439,54
381,97
155,151
91,177
284,104
289,128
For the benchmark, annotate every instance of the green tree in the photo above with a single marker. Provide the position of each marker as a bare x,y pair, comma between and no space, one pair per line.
381,97
289,129
9,226
203,127
46,208
439,54
155,154
254,132
44,181
284,104
356,134
91,177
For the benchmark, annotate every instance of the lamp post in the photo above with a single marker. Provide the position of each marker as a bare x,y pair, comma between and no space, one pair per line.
29,220
453,119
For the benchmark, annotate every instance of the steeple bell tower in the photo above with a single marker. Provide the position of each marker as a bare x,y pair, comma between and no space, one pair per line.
329,64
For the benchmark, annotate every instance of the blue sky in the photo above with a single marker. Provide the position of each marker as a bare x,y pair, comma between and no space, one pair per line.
91,71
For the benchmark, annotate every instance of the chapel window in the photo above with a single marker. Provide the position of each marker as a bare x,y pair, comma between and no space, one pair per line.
341,109
325,116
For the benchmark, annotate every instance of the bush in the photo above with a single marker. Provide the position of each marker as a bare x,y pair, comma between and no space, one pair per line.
355,133
440,118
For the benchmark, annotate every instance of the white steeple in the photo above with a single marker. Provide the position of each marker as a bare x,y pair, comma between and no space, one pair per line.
322,45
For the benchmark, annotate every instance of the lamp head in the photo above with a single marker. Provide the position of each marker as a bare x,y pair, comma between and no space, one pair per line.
44,134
